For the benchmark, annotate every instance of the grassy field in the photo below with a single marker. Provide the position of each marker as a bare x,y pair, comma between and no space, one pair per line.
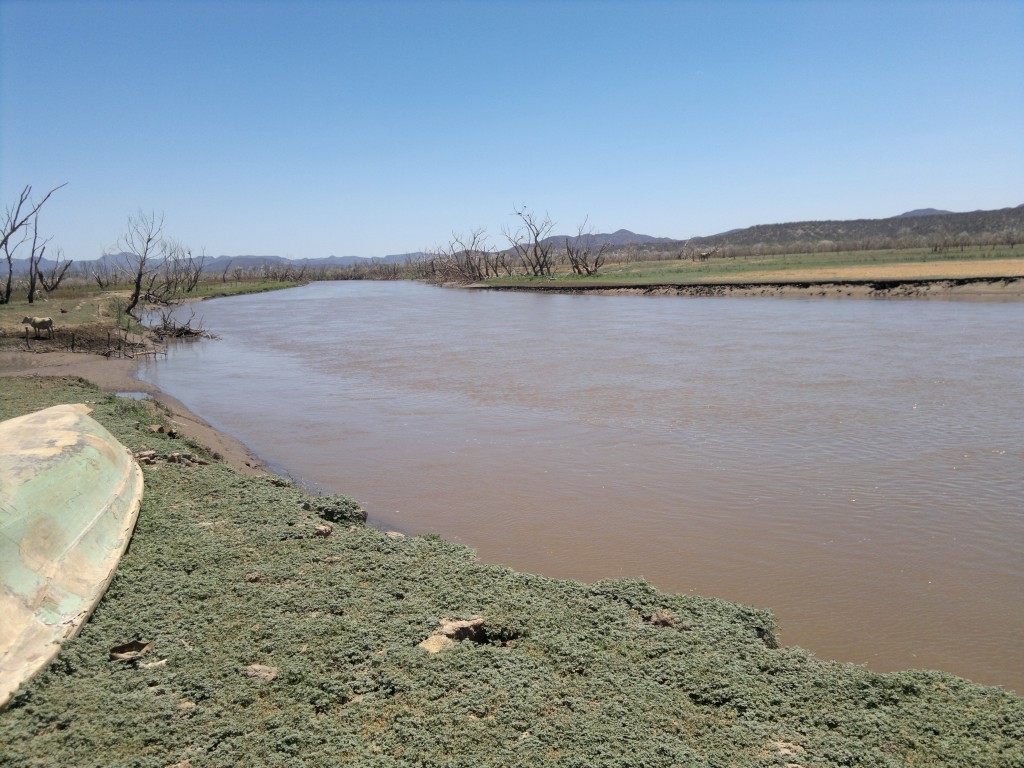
91,310
226,572
889,264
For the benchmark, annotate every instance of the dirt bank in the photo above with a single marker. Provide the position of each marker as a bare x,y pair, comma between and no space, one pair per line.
118,375
987,288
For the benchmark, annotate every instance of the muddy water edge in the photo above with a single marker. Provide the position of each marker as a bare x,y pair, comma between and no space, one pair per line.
857,466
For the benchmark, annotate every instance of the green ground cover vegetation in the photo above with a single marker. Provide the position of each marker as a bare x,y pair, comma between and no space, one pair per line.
209,289
90,312
86,302
226,571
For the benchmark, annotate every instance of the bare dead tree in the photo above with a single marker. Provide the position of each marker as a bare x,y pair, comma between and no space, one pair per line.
433,269
464,259
528,241
502,264
194,269
10,246
35,258
580,251
51,280
13,230
422,266
162,279
179,272
168,275
283,271
630,253
939,241
144,245
104,274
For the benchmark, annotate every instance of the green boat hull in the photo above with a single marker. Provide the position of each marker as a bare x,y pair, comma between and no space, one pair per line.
69,498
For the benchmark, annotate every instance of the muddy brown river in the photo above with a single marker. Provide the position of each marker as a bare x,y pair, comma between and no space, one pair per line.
857,466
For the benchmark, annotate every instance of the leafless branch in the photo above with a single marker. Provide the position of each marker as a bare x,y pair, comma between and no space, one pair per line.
51,280
144,243
35,257
15,219
528,241
580,251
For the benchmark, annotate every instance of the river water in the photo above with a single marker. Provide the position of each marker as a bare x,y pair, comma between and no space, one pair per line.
857,466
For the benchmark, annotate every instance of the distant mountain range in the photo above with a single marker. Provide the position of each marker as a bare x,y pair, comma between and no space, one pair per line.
922,212
921,221
616,239
220,263
213,265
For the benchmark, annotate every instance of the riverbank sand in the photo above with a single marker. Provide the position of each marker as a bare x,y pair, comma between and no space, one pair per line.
118,375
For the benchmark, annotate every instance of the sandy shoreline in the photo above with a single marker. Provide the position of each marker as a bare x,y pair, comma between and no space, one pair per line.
118,375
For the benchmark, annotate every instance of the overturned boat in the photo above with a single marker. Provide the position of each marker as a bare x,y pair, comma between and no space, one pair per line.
69,498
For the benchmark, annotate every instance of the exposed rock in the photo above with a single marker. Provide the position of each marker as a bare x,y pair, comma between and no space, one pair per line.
436,643
146,457
185,459
464,629
130,651
260,672
662,619
451,631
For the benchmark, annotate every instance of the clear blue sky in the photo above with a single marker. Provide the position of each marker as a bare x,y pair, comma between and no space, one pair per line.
307,129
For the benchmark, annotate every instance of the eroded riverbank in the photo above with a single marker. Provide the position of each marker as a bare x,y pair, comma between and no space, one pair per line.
973,288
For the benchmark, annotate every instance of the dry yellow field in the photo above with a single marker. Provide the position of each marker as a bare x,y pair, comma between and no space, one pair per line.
921,270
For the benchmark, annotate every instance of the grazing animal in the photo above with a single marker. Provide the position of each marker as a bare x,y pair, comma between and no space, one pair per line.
39,324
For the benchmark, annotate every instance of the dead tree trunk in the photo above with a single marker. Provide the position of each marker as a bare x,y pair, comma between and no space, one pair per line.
528,242
15,219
